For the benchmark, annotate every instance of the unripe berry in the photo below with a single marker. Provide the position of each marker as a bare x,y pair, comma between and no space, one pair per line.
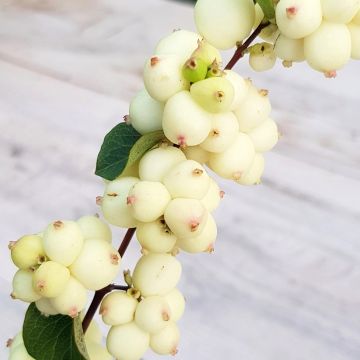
252,176
63,241
340,11
355,41
240,85
206,52
97,265
185,122
114,202
289,50
213,196
254,109
224,129
127,342
166,341
328,58
23,286
72,300
298,18
224,23
155,236
214,94
262,57
118,308
265,136
195,69
156,274
188,179
152,314
51,279
204,242
20,353
147,200
196,153
186,217
163,77
97,352
145,113
176,302
45,307
236,159
27,252
156,163
94,228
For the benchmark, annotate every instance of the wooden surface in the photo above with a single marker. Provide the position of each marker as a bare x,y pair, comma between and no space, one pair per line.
283,283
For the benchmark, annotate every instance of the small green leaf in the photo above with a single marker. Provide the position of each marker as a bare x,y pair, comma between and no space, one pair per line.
122,147
268,8
52,337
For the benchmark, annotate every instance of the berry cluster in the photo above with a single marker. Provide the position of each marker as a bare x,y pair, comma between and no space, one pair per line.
59,265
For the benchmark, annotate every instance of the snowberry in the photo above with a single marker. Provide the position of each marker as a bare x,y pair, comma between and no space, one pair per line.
72,300
97,265
63,241
155,236
265,136
118,308
51,279
203,242
20,353
254,109
186,217
215,94
27,252
213,196
16,341
298,18
270,33
262,57
176,302
195,69
152,314
45,307
240,85
356,19
163,77
97,352
156,274
289,49
23,286
114,202
196,153
259,16
147,200
156,163
145,113
187,179
94,228
236,159
224,129
166,341
93,333
127,342
224,24
252,176
340,11
355,41
185,122
328,48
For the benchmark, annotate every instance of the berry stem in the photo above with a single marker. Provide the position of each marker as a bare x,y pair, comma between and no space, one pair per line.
99,294
239,53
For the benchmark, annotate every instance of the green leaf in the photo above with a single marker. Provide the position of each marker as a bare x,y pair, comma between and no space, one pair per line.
122,147
268,8
53,337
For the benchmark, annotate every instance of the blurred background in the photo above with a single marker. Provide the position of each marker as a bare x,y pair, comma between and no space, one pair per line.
283,282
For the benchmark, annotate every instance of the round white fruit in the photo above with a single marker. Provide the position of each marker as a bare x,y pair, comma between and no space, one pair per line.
147,200
186,217
289,49
240,86
97,352
340,11
185,122
355,41
114,202
236,159
166,341
156,163
252,176
187,179
93,333
176,302
63,241
356,19
155,236
20,353
224,23
51,279
265,136
213,196
127,342
196,153
94,228
97,265
156,274
16,341
45,307
163,77
23,287
262,57
145,113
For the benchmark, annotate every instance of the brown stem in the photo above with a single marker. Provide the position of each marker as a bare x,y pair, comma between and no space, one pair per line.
239,53
99,294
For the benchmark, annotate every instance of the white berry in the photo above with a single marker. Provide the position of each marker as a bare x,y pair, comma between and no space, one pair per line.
166,341
176,302
265,136
252,176
23,286
94,228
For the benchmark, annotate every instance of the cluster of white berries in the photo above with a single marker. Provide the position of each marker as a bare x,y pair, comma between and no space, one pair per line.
59,265
325,33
